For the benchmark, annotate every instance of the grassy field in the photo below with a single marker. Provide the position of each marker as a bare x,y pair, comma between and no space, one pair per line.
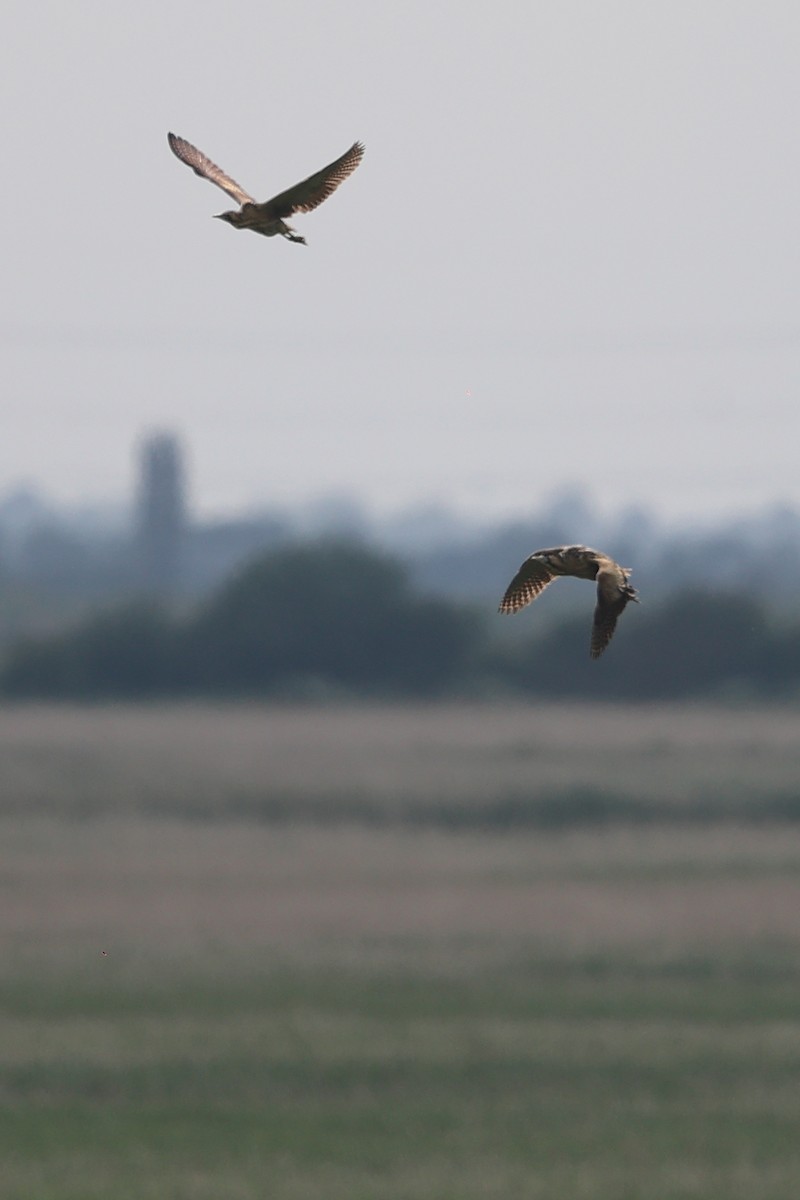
242,958
459,765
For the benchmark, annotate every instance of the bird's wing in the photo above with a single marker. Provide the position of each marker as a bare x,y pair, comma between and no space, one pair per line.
204,167
611,601
603,626
305,196
532,578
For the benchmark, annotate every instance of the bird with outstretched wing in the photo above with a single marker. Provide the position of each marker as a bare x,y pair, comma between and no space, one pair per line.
268,218
613,590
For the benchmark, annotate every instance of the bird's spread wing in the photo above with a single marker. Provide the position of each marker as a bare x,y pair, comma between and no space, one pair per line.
611,601
532,578
604,624
204,167
305,196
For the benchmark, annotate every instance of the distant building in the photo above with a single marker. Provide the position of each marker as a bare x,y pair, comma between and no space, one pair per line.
161,519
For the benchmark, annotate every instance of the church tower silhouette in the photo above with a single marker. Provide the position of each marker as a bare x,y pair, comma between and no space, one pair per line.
161,521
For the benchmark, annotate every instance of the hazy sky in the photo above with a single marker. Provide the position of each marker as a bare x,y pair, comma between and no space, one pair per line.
570,254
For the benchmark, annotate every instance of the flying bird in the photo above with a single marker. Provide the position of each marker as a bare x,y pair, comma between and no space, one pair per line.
613,589
268,218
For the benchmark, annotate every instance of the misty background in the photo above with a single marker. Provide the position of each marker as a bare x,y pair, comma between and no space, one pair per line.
569,256
557,302
267,911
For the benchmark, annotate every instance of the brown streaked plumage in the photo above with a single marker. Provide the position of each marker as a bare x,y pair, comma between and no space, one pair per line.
268,218
613,589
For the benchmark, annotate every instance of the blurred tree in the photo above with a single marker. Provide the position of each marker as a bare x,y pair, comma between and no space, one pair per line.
329,610
330,613
126,652
337,617
696,644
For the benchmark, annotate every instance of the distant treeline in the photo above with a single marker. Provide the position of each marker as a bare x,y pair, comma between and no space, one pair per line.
336,619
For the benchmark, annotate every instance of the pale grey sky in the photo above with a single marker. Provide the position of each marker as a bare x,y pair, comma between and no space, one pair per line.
569,256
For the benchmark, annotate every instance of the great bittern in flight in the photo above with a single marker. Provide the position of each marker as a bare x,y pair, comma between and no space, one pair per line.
613,589
268,218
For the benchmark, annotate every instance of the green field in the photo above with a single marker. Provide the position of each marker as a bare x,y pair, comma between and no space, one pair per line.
253,952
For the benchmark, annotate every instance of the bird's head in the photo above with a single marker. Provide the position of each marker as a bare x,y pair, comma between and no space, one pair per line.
233,217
